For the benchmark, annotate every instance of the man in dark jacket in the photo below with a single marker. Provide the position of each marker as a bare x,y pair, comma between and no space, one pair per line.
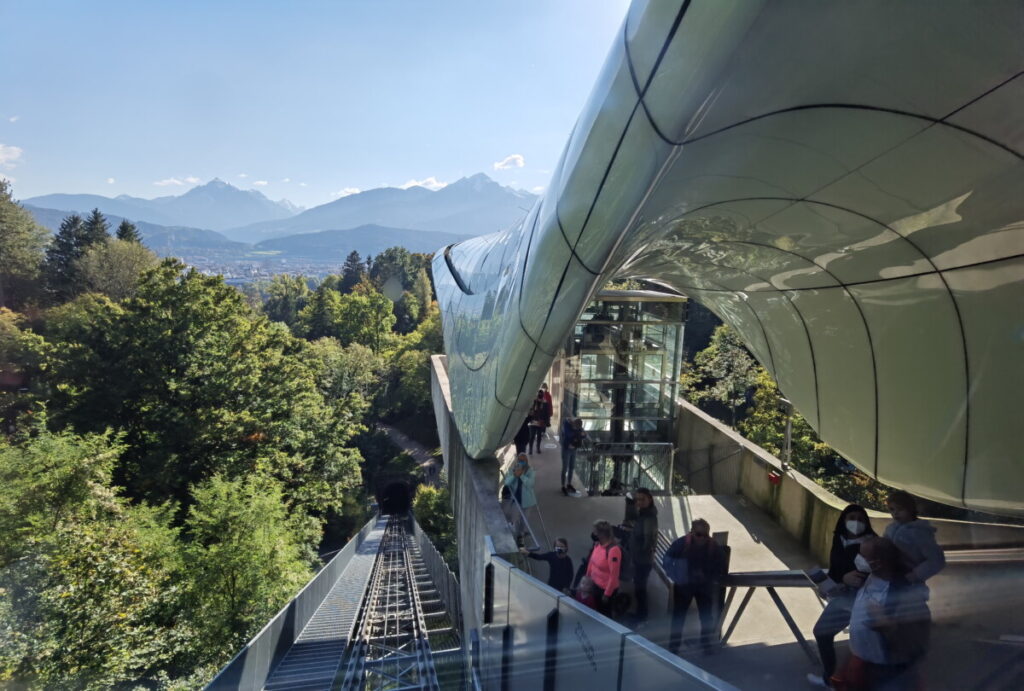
696,563
522,437
642,527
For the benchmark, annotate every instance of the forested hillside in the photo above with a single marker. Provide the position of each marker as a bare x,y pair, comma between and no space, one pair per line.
173,451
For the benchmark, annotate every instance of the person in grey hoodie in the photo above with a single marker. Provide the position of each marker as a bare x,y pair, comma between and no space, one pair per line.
915,538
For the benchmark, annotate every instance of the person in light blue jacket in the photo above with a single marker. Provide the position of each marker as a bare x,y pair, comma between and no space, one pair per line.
519,482
915,538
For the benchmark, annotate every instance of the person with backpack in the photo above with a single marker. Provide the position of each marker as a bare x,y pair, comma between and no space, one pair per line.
603,567
695,563
889,624
849,573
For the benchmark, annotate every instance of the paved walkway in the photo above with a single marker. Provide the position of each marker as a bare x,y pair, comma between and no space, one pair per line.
974,607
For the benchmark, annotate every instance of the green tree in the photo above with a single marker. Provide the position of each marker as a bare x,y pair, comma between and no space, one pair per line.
128,232
352,272
321,317
394,262
22,241
246,556
407,312
200,387
114,267
96,229
21,355
432,508
67,247
422,289
723,372
366,317
288,296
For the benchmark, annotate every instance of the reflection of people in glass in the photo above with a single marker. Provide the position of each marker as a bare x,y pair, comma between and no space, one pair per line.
695,563
540,419
572,435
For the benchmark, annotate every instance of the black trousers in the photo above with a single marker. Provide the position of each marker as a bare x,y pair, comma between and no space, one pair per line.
683,595
641,572
536,435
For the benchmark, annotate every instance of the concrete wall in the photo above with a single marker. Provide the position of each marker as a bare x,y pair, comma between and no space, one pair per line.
474,490
717,460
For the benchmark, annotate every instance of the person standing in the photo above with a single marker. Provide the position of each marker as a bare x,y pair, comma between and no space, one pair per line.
520,484
852,529
915,538
603,566
643,537
560,570
890,622
540,418
571,438
695,563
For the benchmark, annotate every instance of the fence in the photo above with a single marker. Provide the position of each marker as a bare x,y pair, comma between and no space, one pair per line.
251,667
615,466
444,580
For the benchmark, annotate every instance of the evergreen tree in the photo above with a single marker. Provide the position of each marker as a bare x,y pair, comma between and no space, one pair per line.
67,247
289,295
96,229
321,317
21,251
352,272
422,289
128,232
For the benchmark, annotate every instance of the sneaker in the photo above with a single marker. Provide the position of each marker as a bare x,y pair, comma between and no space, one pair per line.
565,492
817,680
571,488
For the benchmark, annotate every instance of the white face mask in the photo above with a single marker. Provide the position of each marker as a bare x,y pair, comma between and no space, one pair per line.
855,527
862,564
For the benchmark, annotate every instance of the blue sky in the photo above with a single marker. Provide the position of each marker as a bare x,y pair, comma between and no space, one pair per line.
301,100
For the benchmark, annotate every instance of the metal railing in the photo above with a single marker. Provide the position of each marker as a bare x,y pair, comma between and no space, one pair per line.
251,667
444,580
621,466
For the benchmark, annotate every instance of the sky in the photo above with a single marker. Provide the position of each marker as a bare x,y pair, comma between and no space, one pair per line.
300,100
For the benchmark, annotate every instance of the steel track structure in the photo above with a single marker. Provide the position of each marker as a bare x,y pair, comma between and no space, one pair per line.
391,649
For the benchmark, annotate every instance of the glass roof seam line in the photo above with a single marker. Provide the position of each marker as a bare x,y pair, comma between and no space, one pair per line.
522,274
856,106
760,324
944,119
572,250
636,84
664,46
607,172
967,387
454,272
814,361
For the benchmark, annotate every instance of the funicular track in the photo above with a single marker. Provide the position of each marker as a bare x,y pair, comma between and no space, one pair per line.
392,645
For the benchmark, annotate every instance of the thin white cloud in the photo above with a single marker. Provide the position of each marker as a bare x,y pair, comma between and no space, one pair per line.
243,175
192,180
9,155
538,189
302,184
430,183
346,191
111,181
169,181
510,161
14,118
287,180
260,183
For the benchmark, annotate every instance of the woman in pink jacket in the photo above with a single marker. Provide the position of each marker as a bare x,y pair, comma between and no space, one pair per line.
604,565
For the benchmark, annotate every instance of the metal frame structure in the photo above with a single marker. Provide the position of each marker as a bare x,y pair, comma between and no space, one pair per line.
391,650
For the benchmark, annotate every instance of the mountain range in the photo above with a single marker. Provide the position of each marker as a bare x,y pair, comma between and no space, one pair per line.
213,206
254,227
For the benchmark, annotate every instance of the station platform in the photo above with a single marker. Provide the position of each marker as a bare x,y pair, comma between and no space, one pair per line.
978,610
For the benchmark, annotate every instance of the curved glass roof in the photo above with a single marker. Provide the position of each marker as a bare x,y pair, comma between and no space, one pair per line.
841,183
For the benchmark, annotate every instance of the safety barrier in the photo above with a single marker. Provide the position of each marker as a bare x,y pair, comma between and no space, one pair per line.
444,580
539,638
250,668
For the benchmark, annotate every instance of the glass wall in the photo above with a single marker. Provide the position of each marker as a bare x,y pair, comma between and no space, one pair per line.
621,366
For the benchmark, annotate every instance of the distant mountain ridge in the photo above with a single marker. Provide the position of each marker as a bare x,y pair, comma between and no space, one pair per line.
476,205
216,205
368,239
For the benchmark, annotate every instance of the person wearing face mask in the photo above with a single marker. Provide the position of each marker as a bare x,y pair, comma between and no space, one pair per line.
889,623
847,568
520,487
640,531
559,564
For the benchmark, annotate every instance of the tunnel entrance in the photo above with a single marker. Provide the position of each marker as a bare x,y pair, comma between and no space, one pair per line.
395,498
